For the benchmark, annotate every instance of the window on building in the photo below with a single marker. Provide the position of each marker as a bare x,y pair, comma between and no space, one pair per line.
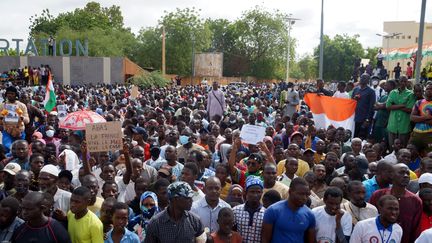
409,37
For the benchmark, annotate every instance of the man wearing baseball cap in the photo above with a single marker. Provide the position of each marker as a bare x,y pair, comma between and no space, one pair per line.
48,177
10,171
176,223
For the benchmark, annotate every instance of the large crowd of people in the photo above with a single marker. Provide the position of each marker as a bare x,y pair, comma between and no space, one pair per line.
184,174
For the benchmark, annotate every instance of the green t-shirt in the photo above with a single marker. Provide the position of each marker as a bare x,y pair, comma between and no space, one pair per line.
382,116
399,121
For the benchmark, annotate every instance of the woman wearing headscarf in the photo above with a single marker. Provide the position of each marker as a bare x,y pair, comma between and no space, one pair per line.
235,195
148,207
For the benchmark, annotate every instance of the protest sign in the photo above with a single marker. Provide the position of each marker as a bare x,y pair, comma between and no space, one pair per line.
134,92
61,112
102,137
12,116
252,134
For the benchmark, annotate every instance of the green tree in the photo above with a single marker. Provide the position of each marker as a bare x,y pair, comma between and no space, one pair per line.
224,36
102,26
339,56
263,40
371,53
183,29
308,67
149,80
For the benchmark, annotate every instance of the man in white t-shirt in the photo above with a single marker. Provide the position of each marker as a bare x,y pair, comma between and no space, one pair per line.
341,93
332,223
425,237
382,228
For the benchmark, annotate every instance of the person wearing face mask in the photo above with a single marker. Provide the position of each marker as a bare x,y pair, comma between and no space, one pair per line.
291,101
183,152
49,138
379,91
149,207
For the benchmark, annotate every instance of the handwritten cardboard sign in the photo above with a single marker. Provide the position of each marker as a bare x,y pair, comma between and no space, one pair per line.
134,92
102,137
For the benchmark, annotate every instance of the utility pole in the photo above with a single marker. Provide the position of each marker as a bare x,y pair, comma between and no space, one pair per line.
321,55
163,51
193,58
420,42
291,22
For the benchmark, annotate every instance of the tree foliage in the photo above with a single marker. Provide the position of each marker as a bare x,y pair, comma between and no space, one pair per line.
339,56
102,26
253,45
149,80
305,68
371,53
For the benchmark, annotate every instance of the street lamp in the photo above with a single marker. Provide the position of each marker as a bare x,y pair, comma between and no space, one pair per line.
388,37
291,22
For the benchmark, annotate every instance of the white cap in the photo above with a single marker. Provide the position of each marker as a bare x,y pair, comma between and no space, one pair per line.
425,178
51,169
12,168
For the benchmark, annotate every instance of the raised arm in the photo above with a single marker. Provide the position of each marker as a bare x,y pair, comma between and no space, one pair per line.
233,155
128,173
86,164
264,148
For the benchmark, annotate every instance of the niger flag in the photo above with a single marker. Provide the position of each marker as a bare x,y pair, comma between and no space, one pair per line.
331,111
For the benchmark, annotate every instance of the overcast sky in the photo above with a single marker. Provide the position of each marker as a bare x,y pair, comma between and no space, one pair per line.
363,17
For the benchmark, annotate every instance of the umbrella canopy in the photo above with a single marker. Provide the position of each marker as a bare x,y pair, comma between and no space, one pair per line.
78,120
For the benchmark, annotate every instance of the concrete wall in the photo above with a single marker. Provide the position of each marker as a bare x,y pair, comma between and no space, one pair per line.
116,65
8,63
55,63
72,70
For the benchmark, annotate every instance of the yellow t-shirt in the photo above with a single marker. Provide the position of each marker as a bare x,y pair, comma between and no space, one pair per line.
95,208
413,175
303,167
88,229
279,187
224,191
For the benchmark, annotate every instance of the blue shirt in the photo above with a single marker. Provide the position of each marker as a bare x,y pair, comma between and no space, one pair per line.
364,109
128,237
414,165
288,226
371,186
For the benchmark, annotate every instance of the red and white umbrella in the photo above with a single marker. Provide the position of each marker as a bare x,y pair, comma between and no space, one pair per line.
78,120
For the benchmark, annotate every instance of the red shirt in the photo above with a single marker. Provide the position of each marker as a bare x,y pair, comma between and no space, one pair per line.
235,238
411,209
425,222
409,71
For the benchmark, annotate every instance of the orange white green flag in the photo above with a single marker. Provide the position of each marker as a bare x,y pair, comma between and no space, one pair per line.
328,111
50,97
